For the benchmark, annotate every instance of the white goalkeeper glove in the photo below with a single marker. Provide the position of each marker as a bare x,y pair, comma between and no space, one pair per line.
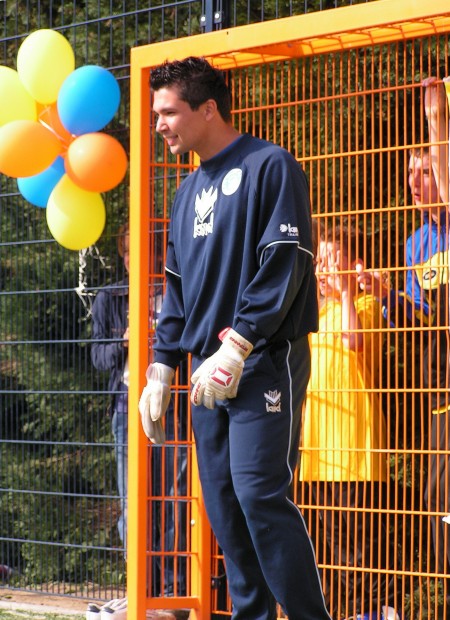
156,432
219,375
155,399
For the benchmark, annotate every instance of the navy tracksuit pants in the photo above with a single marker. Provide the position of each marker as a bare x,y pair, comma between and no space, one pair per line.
247,451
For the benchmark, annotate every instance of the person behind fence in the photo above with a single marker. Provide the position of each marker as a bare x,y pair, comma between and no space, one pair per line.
427,305
109,352
433,165
424,304
241,298
343,447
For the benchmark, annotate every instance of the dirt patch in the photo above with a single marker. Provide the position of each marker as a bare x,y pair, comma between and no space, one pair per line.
15,599
69,605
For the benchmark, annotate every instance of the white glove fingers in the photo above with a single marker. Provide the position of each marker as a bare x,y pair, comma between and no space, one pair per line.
196,376
209,398
197,392
157,434
146,421
202,370
155,399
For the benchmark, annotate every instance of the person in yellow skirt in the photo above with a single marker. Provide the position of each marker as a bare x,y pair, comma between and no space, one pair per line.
343,456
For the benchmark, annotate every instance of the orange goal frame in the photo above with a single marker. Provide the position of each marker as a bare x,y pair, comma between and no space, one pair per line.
377,22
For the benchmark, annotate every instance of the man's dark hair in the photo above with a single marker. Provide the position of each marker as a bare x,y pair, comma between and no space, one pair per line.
196,81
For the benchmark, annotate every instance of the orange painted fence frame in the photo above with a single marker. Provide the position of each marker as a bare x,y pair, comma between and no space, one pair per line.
378,22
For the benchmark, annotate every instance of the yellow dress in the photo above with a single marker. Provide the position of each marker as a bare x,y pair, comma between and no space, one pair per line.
344,431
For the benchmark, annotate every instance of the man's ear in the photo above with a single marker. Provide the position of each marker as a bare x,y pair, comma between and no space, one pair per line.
209,109
358,265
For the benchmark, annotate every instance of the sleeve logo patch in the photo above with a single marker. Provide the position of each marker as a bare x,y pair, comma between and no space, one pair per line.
292,231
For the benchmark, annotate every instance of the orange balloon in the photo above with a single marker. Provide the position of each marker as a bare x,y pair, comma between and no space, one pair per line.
27,148
49,117
96,162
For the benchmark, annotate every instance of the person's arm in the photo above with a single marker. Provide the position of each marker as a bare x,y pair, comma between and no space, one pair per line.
435,103
104,355
266,302
373,281
282,283
155,396
171,323
405,308
346,285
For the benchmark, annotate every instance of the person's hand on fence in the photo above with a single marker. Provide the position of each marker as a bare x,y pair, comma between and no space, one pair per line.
434,97
373,281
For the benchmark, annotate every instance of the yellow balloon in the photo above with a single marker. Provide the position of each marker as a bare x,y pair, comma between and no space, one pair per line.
44,60
16,101
76,218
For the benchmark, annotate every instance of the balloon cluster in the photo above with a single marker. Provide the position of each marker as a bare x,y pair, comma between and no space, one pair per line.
50,139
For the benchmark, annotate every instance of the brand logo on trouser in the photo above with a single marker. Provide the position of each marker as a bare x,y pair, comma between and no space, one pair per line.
273,401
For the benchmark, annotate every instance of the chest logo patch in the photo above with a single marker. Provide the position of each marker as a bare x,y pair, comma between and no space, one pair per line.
231,181
204,209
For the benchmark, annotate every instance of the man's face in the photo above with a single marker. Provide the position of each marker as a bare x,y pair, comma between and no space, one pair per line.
421,181
181,127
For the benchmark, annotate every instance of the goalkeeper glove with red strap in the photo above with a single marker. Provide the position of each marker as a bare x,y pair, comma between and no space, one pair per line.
219,375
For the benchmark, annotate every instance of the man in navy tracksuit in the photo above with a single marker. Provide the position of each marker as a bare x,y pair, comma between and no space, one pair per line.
241,298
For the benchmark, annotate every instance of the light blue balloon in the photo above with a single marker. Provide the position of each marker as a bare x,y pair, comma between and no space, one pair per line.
37,189
88,99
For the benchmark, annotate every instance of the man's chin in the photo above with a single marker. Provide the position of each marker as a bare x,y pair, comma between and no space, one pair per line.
176,149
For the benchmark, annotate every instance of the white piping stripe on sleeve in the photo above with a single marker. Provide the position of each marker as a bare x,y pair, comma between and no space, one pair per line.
284,241
174,273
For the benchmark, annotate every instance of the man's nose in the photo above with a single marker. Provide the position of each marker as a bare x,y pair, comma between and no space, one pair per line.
159,123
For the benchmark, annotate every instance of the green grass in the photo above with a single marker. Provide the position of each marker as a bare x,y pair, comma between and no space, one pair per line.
16,614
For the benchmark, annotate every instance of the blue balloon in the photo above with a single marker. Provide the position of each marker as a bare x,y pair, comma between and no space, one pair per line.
88,99
37,189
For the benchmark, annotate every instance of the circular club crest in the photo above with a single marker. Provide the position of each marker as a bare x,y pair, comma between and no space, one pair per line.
231,181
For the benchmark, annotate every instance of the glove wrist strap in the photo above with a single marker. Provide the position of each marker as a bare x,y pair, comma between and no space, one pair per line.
237,342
